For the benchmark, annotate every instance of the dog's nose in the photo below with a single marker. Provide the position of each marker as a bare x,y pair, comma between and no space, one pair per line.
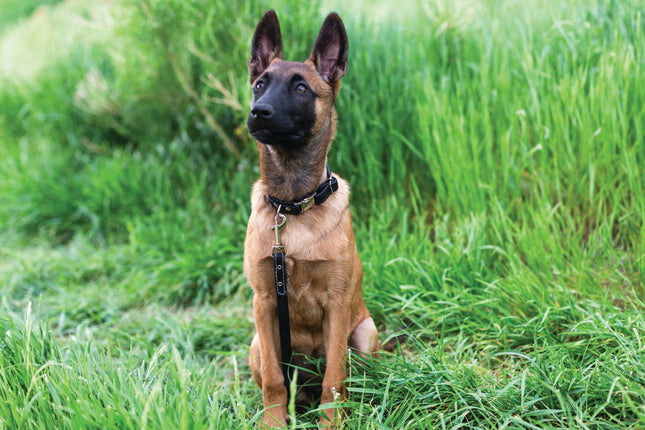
264,111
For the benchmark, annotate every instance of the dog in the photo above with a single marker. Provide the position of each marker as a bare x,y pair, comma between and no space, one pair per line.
293,119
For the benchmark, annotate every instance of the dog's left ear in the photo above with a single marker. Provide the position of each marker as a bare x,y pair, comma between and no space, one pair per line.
330,50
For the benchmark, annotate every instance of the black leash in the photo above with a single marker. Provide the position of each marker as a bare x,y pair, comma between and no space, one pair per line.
279,253
280,272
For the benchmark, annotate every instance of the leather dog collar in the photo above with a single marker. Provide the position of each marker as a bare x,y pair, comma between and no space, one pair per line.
318,197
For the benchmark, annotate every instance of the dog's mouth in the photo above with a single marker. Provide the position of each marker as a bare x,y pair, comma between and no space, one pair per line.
272,137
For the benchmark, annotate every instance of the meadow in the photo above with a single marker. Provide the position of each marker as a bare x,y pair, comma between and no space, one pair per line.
495,151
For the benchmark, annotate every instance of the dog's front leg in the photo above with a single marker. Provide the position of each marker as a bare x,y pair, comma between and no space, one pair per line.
274,393
336,328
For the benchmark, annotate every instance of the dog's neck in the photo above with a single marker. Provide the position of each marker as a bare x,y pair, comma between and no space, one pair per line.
292,172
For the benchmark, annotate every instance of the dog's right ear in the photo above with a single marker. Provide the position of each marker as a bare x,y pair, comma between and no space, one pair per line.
266,45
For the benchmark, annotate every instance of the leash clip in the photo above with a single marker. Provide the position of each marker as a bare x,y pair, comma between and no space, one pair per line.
279,222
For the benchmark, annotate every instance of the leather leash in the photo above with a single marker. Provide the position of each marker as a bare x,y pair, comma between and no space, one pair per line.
279,252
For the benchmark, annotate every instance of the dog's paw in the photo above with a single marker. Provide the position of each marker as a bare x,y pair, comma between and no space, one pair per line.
270,421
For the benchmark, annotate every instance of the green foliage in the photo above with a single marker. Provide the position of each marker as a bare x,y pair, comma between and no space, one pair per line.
14,10
82,387
495,152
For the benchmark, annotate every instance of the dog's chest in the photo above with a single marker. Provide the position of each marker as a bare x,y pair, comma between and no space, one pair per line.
308,291
310,285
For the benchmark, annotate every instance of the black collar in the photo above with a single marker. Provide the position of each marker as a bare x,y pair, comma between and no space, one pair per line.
318,197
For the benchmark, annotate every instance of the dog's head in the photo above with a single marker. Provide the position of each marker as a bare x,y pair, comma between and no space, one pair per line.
293,101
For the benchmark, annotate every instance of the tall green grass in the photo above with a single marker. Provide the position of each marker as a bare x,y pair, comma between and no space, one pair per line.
495,153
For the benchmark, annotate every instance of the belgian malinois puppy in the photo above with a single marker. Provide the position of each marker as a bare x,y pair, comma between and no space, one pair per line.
294,122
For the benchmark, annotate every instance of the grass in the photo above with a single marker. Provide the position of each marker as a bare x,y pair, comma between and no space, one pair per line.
495,152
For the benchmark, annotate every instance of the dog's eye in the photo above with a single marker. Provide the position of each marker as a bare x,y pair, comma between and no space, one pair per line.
301,88
259,85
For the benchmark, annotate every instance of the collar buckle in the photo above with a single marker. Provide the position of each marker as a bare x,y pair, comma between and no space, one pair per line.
306,203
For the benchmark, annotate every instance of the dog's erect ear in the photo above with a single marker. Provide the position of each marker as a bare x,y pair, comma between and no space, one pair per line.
330,50
266,45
